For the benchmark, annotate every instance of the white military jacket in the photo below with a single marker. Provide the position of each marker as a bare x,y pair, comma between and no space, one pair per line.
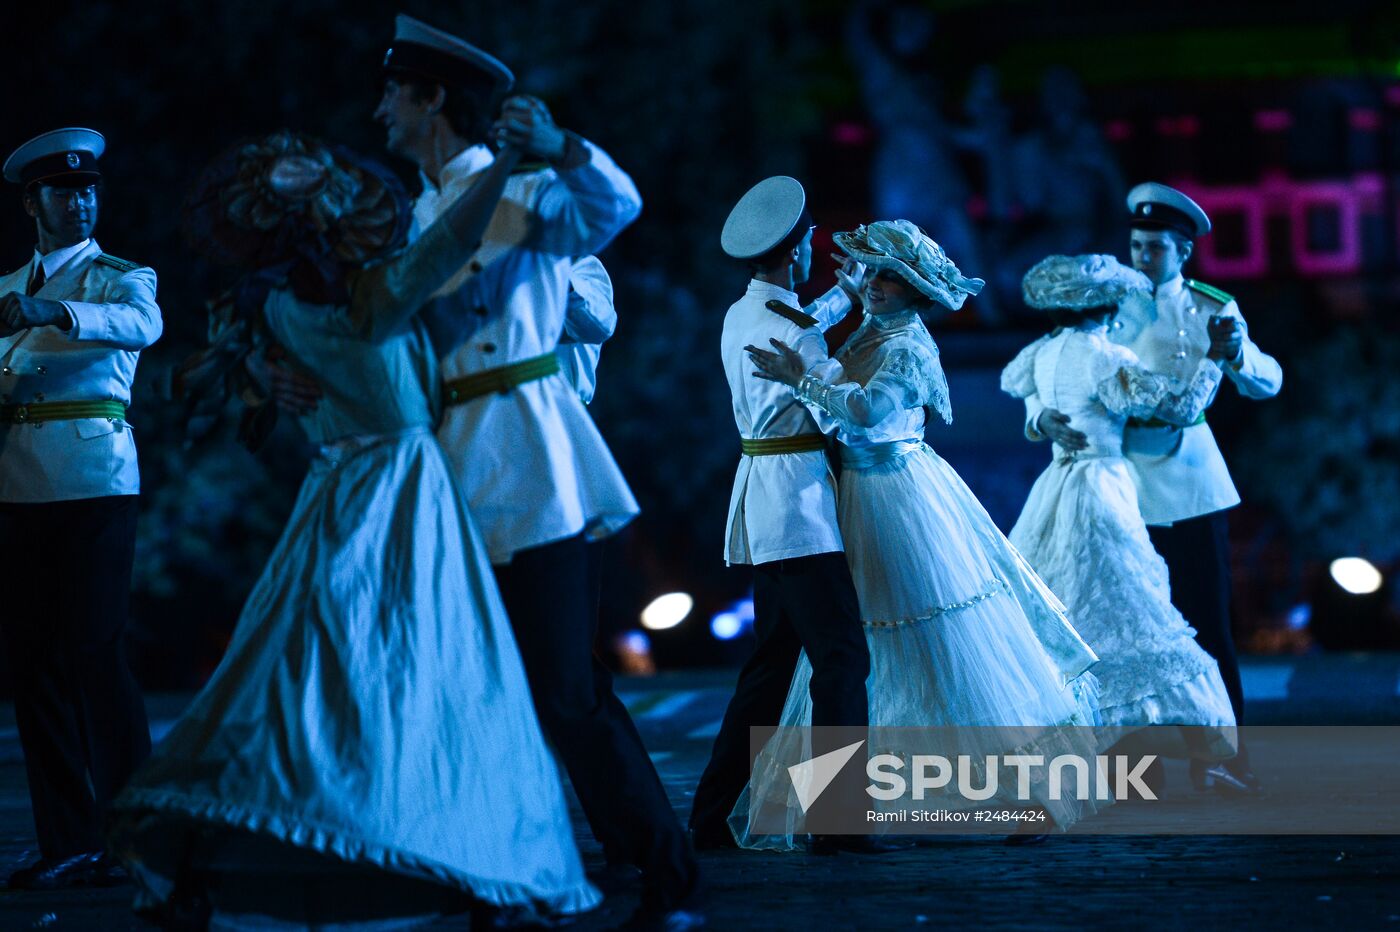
1180,472
531,462
782,506
588,322
113,306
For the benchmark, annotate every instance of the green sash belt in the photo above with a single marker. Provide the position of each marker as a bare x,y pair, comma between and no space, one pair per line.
772,446
61,411
1158,422
460,391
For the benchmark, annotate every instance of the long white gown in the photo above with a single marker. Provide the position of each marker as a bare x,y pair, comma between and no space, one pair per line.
961,631
368,740
1082,531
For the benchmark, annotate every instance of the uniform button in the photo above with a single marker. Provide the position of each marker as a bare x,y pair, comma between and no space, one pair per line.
1180,354
488,347
8,371
41,370
1181,333
1191,309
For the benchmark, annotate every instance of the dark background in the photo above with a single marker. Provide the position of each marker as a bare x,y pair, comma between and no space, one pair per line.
1009,129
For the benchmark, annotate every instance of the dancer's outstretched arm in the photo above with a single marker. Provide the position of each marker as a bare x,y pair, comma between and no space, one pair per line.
385,296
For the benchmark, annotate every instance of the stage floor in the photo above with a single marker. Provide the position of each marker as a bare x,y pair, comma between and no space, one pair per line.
1069,882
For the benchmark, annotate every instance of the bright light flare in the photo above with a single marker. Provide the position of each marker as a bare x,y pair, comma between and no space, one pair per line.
667,611
1356,575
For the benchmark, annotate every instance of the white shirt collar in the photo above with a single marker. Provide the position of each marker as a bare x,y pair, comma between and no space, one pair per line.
769,291
1170,289
59,257
467,162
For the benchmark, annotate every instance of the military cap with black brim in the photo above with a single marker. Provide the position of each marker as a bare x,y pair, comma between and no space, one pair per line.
423,52
1155,206
62,157
771,217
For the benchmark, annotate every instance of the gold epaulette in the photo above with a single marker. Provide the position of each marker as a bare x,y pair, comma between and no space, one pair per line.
791,313
119,264
1210,291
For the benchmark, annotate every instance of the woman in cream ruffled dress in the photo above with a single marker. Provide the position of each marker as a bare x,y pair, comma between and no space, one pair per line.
961,631
1081,528
367,751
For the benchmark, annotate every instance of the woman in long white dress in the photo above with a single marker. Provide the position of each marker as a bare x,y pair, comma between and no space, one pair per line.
367,750
1081,528
961,631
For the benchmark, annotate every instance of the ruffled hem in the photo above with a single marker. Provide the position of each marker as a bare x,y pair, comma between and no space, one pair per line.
1074,736
1200,706
137,812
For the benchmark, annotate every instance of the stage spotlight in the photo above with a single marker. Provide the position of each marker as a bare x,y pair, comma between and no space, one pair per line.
667,611
726,626
1356,575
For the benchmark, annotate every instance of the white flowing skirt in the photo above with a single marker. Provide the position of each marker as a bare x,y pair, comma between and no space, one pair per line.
961,633
371,710
1082,531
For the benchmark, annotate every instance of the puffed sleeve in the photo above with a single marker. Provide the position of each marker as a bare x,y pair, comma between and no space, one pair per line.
1133,391
128,318
1018,378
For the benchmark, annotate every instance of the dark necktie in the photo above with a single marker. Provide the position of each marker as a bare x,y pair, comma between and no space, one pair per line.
37,279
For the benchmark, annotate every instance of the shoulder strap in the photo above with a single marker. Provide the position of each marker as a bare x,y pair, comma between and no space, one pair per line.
791,313
119,264
1210,291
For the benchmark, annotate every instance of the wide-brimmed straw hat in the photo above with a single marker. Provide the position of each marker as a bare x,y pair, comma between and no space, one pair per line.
903,248
1079,282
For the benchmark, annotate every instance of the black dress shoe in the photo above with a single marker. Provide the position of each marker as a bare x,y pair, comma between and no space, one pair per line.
828,845
78,870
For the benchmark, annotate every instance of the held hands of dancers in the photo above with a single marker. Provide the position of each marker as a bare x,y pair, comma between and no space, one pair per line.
1226,340
20,312
785,366
526,124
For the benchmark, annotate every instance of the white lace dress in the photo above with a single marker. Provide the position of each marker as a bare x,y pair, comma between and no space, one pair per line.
1082,531
961,631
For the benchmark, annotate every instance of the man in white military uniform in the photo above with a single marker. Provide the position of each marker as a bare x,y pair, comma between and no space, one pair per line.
1184,487
782,513
73,321
537,475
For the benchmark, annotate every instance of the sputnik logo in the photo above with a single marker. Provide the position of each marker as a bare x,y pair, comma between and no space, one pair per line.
811,777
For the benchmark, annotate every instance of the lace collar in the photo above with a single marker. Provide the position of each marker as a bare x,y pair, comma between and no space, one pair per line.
895,321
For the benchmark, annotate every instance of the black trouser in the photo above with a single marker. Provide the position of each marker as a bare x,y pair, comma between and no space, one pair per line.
805,603
1197,552
546,591
67,572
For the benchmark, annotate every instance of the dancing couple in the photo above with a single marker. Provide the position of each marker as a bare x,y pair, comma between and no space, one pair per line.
960,629
373,744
